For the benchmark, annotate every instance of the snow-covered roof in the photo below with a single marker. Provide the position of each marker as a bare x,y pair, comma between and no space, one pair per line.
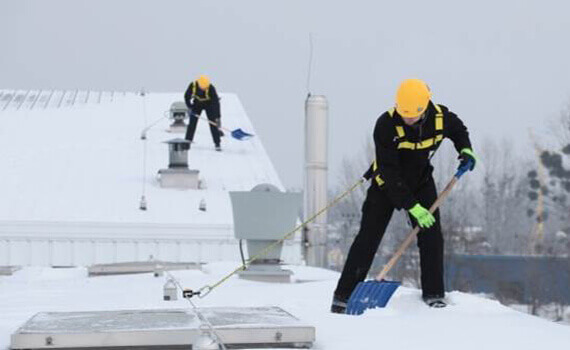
76,158
468,323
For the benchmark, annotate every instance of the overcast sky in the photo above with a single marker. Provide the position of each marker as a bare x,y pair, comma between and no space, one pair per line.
503,66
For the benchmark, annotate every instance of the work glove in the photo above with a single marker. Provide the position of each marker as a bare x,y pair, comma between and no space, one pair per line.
424,218
190,105
467,159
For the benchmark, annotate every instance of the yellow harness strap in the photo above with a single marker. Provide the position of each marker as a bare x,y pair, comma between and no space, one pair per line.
438,124
399,128
201,99
377,178
423,144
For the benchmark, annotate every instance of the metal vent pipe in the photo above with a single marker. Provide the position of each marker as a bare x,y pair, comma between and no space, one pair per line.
315,192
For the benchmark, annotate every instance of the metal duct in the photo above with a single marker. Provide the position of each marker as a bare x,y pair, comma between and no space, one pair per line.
316,141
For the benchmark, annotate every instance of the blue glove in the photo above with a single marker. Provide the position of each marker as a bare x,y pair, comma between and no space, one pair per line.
467,160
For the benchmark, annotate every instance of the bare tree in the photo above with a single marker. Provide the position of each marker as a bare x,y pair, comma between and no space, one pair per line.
553,188
548,186
504,199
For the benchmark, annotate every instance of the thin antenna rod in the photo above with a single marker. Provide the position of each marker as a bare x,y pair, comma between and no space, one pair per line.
310,64
142,205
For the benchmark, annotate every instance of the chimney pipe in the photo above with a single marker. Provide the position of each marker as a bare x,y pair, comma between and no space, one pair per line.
315,193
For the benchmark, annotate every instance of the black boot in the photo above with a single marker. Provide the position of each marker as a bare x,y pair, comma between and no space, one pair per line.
338,305
435,301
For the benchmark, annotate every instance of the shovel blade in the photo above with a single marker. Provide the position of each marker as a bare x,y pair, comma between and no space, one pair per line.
241,135
370,295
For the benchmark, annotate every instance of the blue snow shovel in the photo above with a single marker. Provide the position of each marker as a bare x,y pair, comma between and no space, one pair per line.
237,134
240,134
377,292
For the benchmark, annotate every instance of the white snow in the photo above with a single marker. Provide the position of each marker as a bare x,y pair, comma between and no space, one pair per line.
470,322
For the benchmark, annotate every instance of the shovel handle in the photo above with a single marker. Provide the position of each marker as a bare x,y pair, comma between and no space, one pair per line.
416,229
211,122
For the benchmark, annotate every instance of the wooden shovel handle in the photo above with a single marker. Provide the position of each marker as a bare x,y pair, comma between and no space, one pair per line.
414,232
211,122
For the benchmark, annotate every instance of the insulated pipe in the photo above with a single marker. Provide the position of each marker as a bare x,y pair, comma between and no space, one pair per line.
315,192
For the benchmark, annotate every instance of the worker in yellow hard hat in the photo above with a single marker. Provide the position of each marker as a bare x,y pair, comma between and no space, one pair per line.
405,138
201,95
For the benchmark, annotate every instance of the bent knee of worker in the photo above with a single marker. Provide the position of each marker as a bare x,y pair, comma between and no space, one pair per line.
374,220
212,113
368,237
431,237
375,208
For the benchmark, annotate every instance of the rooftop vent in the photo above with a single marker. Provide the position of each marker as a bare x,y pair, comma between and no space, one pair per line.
178,175
263,216
178,112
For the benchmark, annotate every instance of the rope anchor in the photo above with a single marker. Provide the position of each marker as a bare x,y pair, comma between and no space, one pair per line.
201,293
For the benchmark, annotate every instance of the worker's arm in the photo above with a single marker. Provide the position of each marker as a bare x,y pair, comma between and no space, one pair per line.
455,130
459,135
188,96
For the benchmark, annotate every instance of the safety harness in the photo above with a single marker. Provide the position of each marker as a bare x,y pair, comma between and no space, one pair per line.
195,95
423,144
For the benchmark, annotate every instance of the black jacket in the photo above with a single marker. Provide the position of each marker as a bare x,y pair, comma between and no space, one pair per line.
202,97
404,171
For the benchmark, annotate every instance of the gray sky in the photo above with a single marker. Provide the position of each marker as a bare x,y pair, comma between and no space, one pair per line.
503,66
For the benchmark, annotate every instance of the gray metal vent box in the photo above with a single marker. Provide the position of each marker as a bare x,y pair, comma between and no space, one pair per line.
177,175
178,112
261,217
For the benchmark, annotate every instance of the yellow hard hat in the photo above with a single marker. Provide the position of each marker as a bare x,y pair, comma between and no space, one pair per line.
203,82
412,98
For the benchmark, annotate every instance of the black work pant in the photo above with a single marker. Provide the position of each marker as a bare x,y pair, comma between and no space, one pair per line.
213,114
376,213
